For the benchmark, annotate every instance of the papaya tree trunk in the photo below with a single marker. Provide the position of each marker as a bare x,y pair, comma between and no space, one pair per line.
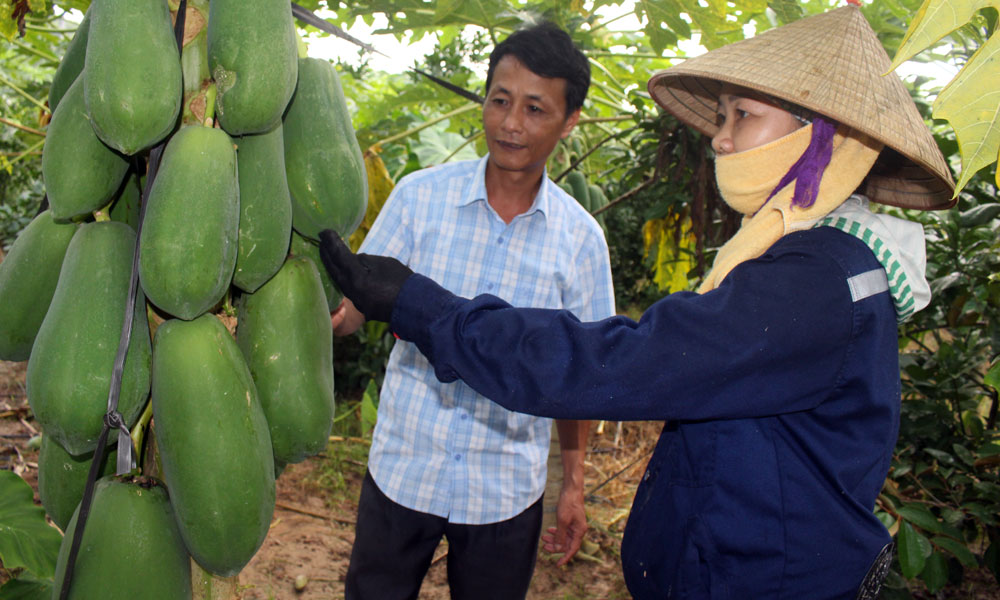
205,586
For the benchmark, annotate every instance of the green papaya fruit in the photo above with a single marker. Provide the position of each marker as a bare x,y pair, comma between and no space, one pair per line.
28,277
62,477
302,247
285,335
326,171
253,55
598,200
69,370
130,547
265,209
132,74
81,174
566,187
578,183
127,205
596,195
71,64
213,441
187,251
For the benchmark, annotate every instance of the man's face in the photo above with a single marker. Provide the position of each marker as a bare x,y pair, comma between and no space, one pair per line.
524,116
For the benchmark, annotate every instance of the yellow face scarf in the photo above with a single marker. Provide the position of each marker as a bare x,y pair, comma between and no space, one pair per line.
746,179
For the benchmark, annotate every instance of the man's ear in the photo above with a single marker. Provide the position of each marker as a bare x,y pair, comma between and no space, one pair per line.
570,123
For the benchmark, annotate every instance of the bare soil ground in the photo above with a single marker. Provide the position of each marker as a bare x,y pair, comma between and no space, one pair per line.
312,531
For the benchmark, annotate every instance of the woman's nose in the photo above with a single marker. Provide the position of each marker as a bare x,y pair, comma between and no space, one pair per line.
722,142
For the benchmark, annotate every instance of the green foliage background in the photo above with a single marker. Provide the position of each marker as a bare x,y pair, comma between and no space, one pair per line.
941,498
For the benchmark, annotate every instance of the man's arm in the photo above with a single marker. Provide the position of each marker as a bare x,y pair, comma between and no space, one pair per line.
571,518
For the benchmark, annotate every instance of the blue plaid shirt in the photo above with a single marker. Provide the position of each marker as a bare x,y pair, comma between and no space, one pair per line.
442,448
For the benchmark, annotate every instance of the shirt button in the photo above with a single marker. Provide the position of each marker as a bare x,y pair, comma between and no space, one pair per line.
458,457
489,286
499,240
464,416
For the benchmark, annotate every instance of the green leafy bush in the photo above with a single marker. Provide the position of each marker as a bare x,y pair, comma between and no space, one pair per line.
942,496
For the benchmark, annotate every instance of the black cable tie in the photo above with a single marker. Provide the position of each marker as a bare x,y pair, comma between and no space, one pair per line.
114,420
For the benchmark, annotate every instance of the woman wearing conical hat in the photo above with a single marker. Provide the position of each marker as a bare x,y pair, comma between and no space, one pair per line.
779,380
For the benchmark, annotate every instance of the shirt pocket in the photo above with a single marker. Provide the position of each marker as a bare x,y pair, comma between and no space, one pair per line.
691,455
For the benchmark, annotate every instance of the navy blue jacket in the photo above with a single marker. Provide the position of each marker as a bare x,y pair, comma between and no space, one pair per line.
780,392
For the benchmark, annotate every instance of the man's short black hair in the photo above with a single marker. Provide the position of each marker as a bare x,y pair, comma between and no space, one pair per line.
547,51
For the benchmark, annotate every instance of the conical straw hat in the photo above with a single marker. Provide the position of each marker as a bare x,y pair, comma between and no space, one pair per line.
832,64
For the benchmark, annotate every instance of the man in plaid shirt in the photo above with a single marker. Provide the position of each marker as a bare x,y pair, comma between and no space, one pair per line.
444,460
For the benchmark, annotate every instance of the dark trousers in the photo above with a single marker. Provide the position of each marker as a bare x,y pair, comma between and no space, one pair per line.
393,547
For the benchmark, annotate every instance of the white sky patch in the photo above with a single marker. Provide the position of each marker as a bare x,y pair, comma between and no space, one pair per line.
399,55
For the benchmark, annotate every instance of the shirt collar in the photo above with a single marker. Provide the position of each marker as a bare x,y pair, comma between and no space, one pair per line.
477,190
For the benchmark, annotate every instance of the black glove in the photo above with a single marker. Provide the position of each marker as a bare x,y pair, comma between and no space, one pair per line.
371,282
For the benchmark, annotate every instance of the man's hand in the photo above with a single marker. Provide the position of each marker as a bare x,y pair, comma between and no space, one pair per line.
571,524
371,282
346,319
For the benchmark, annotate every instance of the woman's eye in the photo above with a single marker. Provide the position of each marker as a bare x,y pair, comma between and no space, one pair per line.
720,119
742,113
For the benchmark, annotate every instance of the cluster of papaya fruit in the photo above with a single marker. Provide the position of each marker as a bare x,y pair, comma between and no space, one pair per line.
232,212
589,195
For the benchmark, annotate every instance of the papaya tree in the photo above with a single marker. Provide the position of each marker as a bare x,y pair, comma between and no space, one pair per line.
174,180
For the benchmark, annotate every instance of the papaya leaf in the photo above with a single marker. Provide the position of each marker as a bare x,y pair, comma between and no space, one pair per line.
897,10
971,103
659,16
444,9
787,10
436,145
8,26
674,253
958,550
26,540
935,574
26,587
934,20
379,187
369,408
911,551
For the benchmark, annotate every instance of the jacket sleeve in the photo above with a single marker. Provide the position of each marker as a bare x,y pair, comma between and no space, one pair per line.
771,340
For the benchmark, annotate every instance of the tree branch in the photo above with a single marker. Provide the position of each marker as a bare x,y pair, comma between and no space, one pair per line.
21,127
23,93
